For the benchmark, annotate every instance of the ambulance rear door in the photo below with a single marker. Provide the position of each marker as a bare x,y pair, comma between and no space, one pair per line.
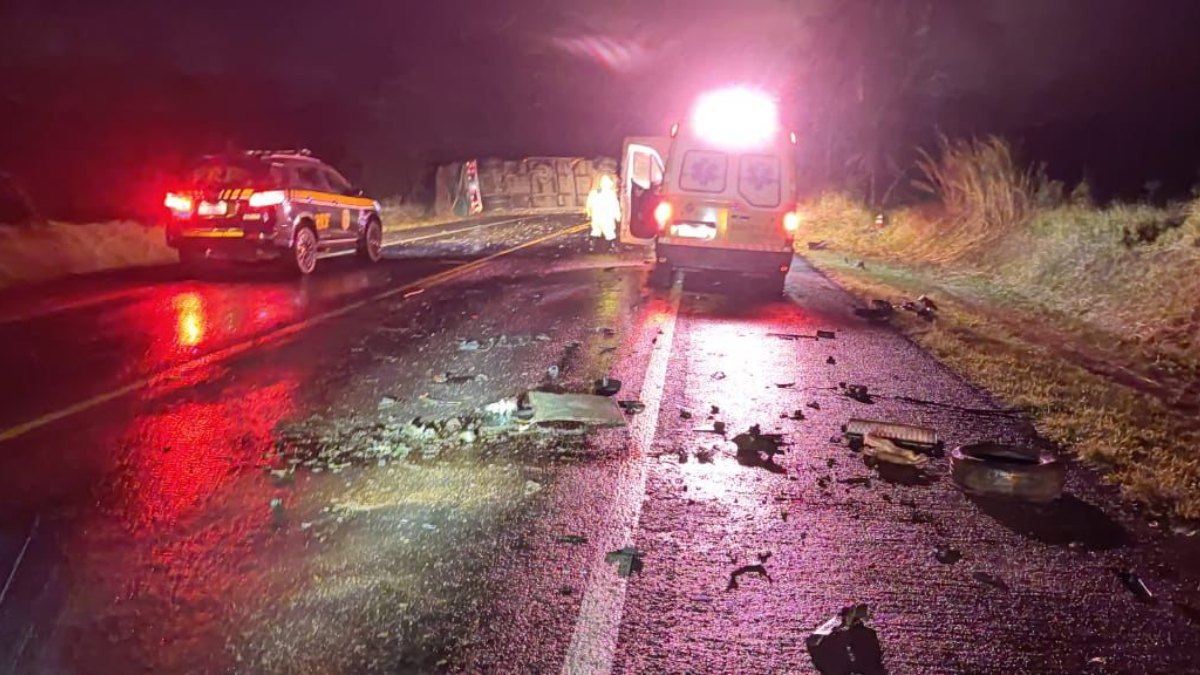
642,167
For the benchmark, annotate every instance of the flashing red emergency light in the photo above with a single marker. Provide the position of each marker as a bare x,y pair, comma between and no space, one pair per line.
791,221
662,214
737,117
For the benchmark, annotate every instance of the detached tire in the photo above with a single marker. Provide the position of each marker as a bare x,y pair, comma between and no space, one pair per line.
1008,471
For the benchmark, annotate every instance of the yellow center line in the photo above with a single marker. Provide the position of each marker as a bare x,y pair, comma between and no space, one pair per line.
178,371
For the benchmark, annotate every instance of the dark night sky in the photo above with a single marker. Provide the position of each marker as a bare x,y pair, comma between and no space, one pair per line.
382,87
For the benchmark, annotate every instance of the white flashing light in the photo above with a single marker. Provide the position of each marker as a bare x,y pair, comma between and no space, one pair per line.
736,118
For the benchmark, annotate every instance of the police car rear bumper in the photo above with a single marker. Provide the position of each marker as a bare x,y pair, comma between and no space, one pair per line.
712,258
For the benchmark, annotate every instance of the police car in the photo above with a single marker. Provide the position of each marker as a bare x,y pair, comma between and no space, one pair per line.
270,204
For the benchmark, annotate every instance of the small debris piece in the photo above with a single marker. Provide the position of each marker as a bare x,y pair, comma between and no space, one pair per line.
831,361
826,335
549,407
565,590
797,414
1135,585
818,245
628,560
719,427
607,386
758,569
861,265
874,313
814,405
904,433
845,644
864,481
785,385
632,407
990,579
885,450
714,410
553,371
683,455
685,414
858,392
947,555
386,402
416,291
928,302
605,331
572,539
719,375
792,336
469,345
277,511
532,487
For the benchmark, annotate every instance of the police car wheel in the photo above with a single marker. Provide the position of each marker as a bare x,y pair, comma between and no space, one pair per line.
304,251
370,247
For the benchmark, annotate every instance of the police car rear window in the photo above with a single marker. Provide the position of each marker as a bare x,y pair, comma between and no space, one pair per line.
703,171
758,180
215,174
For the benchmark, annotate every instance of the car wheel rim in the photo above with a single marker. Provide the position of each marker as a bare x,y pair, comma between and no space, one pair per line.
374,241
306,251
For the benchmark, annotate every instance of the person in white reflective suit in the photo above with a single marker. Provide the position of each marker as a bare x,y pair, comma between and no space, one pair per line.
604,210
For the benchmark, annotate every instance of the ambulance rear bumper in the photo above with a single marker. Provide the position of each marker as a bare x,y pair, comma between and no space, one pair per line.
712,258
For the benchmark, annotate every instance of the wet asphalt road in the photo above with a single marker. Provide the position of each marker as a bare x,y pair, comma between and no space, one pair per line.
143,529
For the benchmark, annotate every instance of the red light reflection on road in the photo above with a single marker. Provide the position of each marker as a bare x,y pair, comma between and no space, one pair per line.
181,455
190,320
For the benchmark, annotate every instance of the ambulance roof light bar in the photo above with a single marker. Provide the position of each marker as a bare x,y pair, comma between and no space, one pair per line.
737,117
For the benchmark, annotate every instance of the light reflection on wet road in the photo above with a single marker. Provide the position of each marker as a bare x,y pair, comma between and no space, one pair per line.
159,550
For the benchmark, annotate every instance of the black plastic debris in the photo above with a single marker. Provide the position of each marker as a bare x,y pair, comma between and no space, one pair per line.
628,560
632,407
826,335
785,385
831,361
606,386
796,414
572,539
685,414
1134,583
990,580
845,644
714,410
859,392
758,569
946,554
756,449
814,405
719,427
818,245
864,481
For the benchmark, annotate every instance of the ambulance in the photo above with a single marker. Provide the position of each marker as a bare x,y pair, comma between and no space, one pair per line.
718,194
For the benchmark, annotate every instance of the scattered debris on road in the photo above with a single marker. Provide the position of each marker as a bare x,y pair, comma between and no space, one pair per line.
628,560
632,407
946,554
550,407
857,428
607,386
990,580
859,392
845,644
1007,470
756,449
885,450
792,336
1134,583
758,569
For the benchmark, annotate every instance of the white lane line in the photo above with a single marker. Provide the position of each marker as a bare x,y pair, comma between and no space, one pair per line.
594,643
12,574
450,232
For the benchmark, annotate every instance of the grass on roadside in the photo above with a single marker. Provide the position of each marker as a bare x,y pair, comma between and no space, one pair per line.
1145,448
33,253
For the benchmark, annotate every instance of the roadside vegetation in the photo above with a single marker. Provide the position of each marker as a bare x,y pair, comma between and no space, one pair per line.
1086,315
42,251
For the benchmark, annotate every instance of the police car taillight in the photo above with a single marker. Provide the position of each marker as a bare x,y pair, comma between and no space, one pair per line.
180,205
267,198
